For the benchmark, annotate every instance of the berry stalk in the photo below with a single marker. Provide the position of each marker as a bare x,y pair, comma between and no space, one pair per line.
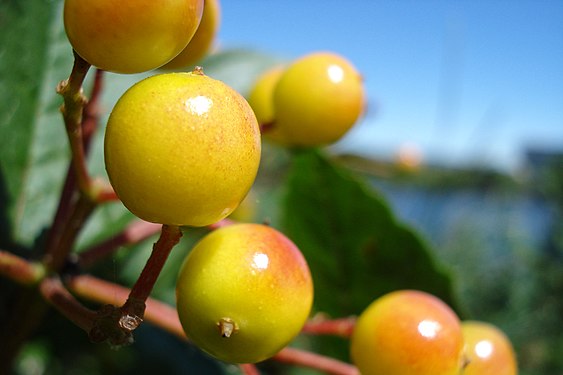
72,110
313,360
116,324
58,296
135,232
19,269
94,289
135,304
342,327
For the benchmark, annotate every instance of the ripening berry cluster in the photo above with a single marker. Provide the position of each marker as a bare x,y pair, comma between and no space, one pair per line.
313,101
183,149
409,332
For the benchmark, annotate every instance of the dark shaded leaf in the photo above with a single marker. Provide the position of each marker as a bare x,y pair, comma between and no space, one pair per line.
35,56
356,249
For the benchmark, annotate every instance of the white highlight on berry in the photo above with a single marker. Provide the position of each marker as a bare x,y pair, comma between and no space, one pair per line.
429,328
484,349
199,105
260,261
335,73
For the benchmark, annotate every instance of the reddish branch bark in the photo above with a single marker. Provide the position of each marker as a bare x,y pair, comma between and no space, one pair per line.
104,292
58,296
313,360
249,369
338,327
19,269
140,292
135,232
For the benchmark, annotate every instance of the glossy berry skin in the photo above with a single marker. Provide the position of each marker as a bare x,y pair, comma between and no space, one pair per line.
261,99
407,332
488,350
249,278
182,149
202,41
130,36
318,99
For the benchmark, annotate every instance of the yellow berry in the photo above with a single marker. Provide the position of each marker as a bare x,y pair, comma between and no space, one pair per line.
261,99
488,350
182,149
130,36
243,293
318,99
202,41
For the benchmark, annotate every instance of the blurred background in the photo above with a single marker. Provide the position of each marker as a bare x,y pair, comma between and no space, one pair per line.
456,82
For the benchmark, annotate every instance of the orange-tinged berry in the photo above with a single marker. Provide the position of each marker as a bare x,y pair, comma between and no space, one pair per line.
243,293
130,36
408,332
488,350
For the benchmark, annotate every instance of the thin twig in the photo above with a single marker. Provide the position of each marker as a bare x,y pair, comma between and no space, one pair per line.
67,200
342,327
221,223
58,296
116,324
72,109
55,257
249,369
142,288
19,269
313,360
135,232
104,192
105,292
91,111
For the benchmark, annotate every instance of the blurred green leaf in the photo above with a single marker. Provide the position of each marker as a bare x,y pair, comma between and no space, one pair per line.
356,249
34,57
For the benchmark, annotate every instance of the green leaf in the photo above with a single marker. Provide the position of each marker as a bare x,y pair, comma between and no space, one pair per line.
34,57
355,247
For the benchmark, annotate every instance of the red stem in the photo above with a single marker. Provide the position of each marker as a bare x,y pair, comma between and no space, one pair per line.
313,360
221,223
133,311
56,255
169,237
57,295
91,111
104,292
266,127
134,233
72,110
106,194
343,327
19,269
249,369
66,204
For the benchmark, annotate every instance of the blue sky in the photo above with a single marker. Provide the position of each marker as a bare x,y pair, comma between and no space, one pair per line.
464,81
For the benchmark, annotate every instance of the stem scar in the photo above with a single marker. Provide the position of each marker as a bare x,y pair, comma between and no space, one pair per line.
227,327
